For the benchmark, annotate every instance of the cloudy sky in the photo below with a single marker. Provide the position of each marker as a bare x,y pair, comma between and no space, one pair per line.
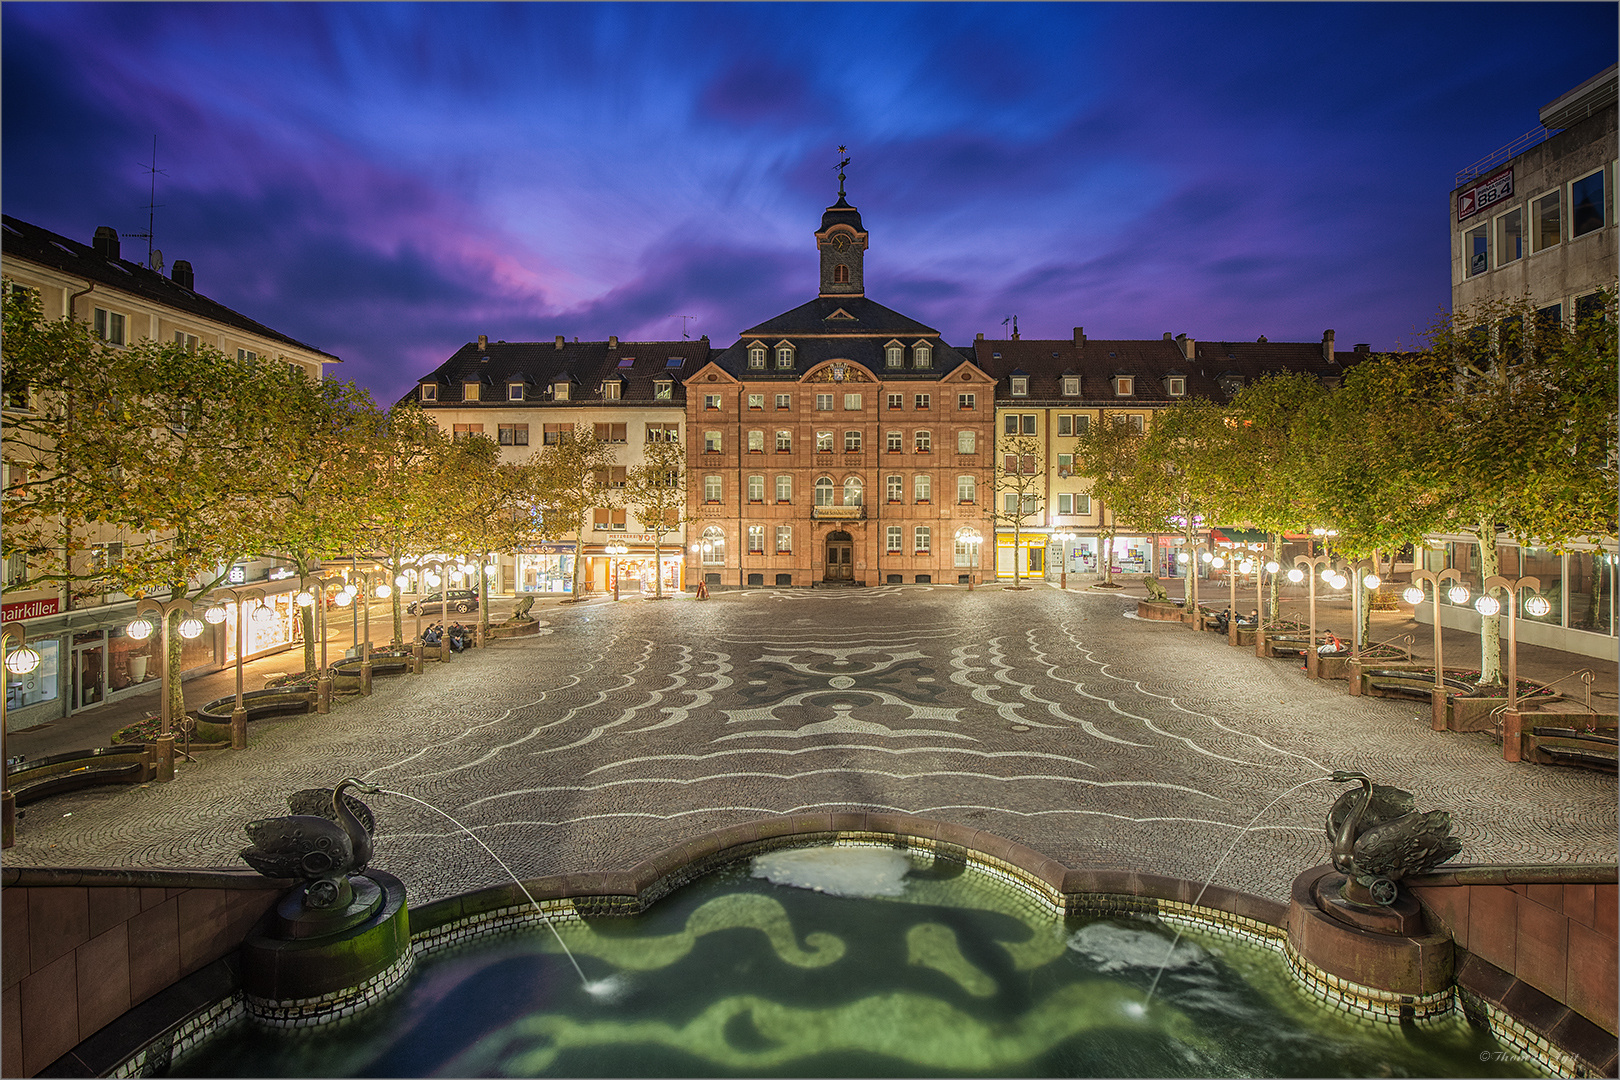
386,182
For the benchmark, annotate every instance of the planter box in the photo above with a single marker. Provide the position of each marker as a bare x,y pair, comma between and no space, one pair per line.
508,630
1162,611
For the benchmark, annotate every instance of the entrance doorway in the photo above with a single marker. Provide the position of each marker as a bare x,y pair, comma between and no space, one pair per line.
88,684
840,557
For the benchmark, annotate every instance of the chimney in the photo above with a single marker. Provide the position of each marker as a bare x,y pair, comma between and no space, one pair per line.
106,242
1327,346
180,273
1365,348
978,337
1167,336
483,341
559,342
1079,337
1188,346
613,341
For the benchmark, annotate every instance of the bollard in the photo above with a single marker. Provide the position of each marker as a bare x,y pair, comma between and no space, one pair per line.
164,749
1437,709
238,728
8,820
1311,658
1260,640
1512,735
365,669
1355,676
416,658
444,648
323,693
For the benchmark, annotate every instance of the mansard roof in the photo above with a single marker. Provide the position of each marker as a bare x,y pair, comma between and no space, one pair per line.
585,364
868,317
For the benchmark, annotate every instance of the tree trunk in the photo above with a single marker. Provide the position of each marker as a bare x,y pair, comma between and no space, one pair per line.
307,617
1016,535
1366,604
483,595
658,566
1276,579
396,571
579,556
1490,631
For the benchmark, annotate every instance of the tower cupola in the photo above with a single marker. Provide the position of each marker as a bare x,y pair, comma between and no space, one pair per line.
842,243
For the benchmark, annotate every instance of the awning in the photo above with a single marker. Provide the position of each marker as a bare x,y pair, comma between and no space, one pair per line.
1229,535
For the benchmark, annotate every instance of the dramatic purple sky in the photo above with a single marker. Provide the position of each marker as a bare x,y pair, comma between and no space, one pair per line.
387,182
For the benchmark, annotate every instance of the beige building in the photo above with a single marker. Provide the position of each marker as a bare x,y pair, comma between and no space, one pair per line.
87,657
1536,218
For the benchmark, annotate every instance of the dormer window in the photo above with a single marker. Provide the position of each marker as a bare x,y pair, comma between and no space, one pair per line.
922,355
1124,385
756,357
894,355
611,389
663,389
1020,385
559,390
469,391
1175,385
1231,383
1071,386
430,392
514,391
784,356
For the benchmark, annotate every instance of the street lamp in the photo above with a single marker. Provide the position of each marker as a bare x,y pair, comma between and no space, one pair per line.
968,536
1414,596
323,679
1246,566
19,661
615,550
1363,572
1189,590
1488,606
1306,566
216,615
140,629
435,573
1271,566
1064,539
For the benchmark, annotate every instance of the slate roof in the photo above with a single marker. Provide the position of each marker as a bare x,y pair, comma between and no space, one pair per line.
1150,361
22,241
861,338
587,364
841,213
869,317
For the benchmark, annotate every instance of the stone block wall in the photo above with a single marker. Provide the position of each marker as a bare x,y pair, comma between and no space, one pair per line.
82,948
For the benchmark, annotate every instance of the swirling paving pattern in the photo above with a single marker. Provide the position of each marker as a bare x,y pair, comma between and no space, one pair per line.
1044,717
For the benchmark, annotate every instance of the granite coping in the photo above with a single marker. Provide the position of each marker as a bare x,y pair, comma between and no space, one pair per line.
1545,874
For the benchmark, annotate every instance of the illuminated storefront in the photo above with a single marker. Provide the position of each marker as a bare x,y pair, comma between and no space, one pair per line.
545,568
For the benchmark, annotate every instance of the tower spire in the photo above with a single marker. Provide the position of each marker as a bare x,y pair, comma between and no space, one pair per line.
841,166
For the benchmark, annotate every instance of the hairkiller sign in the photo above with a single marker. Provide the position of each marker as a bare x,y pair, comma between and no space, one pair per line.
1485,194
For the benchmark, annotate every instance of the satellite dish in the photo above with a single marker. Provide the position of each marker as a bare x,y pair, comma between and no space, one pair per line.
157,259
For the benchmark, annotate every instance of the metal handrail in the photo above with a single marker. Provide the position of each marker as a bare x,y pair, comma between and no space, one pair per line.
1518,146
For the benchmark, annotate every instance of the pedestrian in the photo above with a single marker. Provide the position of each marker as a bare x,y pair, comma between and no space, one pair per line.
703,590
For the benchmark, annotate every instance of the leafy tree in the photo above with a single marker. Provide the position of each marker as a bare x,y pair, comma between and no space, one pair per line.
1108,454
1177,460
1019,486
568,480
491,509
655,492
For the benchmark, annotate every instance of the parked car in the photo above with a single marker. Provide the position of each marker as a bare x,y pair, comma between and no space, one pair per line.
460,600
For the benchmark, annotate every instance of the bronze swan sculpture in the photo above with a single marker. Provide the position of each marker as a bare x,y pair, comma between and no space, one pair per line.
326,838
1378,836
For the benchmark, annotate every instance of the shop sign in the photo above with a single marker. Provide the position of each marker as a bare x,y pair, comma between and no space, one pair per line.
237,574
30,609
1485,194
549,549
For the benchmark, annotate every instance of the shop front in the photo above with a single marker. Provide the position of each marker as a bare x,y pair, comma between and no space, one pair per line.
545,568
1026,552
637,567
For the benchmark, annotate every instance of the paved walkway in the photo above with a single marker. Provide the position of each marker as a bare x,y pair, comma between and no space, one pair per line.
1057,720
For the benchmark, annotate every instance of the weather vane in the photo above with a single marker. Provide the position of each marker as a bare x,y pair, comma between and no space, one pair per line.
840,167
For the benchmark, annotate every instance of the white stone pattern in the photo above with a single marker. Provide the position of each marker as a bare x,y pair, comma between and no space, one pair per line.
1344,996
155,1058
495,923
333,1008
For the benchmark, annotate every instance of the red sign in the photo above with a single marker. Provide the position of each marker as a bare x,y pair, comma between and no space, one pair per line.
1485,194
29,609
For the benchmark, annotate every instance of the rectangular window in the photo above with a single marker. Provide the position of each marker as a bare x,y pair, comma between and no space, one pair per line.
1176,387
711,442
923,540
897,401
514,391
617,476
896,487
603,518
559,392
922,356
711,489
1586,204
756,357
514,434
430,392
663,433
852,403
611,433
185,341
1028,426
1009,424
465,431
894,356
924,442
756,401
895,441
852,442
967,442
1082,424
1020,386
1477,250
1065,425
756,489
784,401
756,442
967,401
469,392
1124,385
1082,504
966,489
922,401
552,434
1545,222
894,534
109,326
824,442
1071,386
922,488
610,390
663,390
711,401
756,539
784,442
784,488
247,356
1510,236
824,402
784,539
784,358
1065,503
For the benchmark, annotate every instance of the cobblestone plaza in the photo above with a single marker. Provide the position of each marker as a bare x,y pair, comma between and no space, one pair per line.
1057,720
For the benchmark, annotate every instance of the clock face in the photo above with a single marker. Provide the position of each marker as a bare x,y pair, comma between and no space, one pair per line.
840,242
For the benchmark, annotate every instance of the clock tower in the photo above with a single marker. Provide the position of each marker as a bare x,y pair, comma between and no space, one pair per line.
842,243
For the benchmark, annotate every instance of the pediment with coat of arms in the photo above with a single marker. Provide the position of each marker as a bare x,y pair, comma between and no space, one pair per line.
840,373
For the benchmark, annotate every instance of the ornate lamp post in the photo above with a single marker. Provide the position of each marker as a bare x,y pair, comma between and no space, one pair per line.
1189,560
215,615
1064,539
140,629
1414,596
1488,606
1271,567
440,572
18,661
323,680
1244,566
373,583
1306,566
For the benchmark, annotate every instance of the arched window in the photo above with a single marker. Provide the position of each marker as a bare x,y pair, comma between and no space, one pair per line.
824,491
714,546
840,274
756,356
852,491
784,357
894,355
921,355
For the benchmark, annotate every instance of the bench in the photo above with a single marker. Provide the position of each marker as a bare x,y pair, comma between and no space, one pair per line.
276,701
31,781
1590,745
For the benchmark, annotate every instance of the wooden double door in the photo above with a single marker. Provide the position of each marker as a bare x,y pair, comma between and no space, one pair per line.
840,557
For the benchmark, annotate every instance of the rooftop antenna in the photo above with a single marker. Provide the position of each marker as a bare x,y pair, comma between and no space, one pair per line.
841,166
684,335
154,258
1007,320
